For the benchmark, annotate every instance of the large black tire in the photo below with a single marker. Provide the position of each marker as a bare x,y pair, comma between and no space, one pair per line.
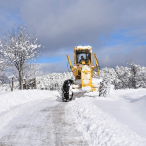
65,90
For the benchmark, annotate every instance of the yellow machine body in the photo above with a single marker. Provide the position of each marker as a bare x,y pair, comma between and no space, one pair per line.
83,68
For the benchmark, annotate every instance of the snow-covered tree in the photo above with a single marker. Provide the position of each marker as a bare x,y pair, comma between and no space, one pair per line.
30,70
3,63
140,77
123,74
53,81
17,48
108,74
135,71
3,78
133,76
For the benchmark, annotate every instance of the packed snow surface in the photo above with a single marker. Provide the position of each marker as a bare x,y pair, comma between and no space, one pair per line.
38,117
10,99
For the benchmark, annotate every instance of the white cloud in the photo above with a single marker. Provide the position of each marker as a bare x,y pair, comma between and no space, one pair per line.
121,55
67,23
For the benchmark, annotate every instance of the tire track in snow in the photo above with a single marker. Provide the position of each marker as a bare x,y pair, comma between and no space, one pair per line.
41,125
65,130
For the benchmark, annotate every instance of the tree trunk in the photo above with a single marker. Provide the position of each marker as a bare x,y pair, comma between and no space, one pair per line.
134,82
35,85
12,84
24,85
20,80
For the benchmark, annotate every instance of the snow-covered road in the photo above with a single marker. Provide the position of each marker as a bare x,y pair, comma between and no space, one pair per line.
42,122
39,118
38,124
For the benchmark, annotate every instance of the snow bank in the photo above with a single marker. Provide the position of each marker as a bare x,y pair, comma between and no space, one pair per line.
99,128
134,95
10,99
127,106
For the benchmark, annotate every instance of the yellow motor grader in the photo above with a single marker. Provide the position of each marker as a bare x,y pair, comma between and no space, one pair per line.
83,72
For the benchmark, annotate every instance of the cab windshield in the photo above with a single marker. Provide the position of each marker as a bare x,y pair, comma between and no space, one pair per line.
83,57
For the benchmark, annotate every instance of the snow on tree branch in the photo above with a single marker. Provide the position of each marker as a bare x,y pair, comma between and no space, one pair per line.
18,47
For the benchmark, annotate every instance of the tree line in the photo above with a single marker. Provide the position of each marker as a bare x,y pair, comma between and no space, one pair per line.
124,77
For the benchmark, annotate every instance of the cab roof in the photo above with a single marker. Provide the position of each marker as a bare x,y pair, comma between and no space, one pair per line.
83,48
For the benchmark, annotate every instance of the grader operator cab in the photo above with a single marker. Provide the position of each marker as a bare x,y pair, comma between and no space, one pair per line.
83,72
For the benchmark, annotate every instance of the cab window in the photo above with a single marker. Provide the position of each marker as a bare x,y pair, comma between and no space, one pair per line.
83,57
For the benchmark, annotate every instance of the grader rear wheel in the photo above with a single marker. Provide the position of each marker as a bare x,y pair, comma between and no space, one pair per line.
103,88
67,93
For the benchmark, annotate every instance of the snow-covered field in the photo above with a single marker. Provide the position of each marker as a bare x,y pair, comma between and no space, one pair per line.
39,118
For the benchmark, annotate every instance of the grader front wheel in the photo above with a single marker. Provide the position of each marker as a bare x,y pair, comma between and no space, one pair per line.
67,93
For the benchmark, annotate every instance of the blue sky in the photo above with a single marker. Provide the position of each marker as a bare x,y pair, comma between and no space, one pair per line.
115,29
50,59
